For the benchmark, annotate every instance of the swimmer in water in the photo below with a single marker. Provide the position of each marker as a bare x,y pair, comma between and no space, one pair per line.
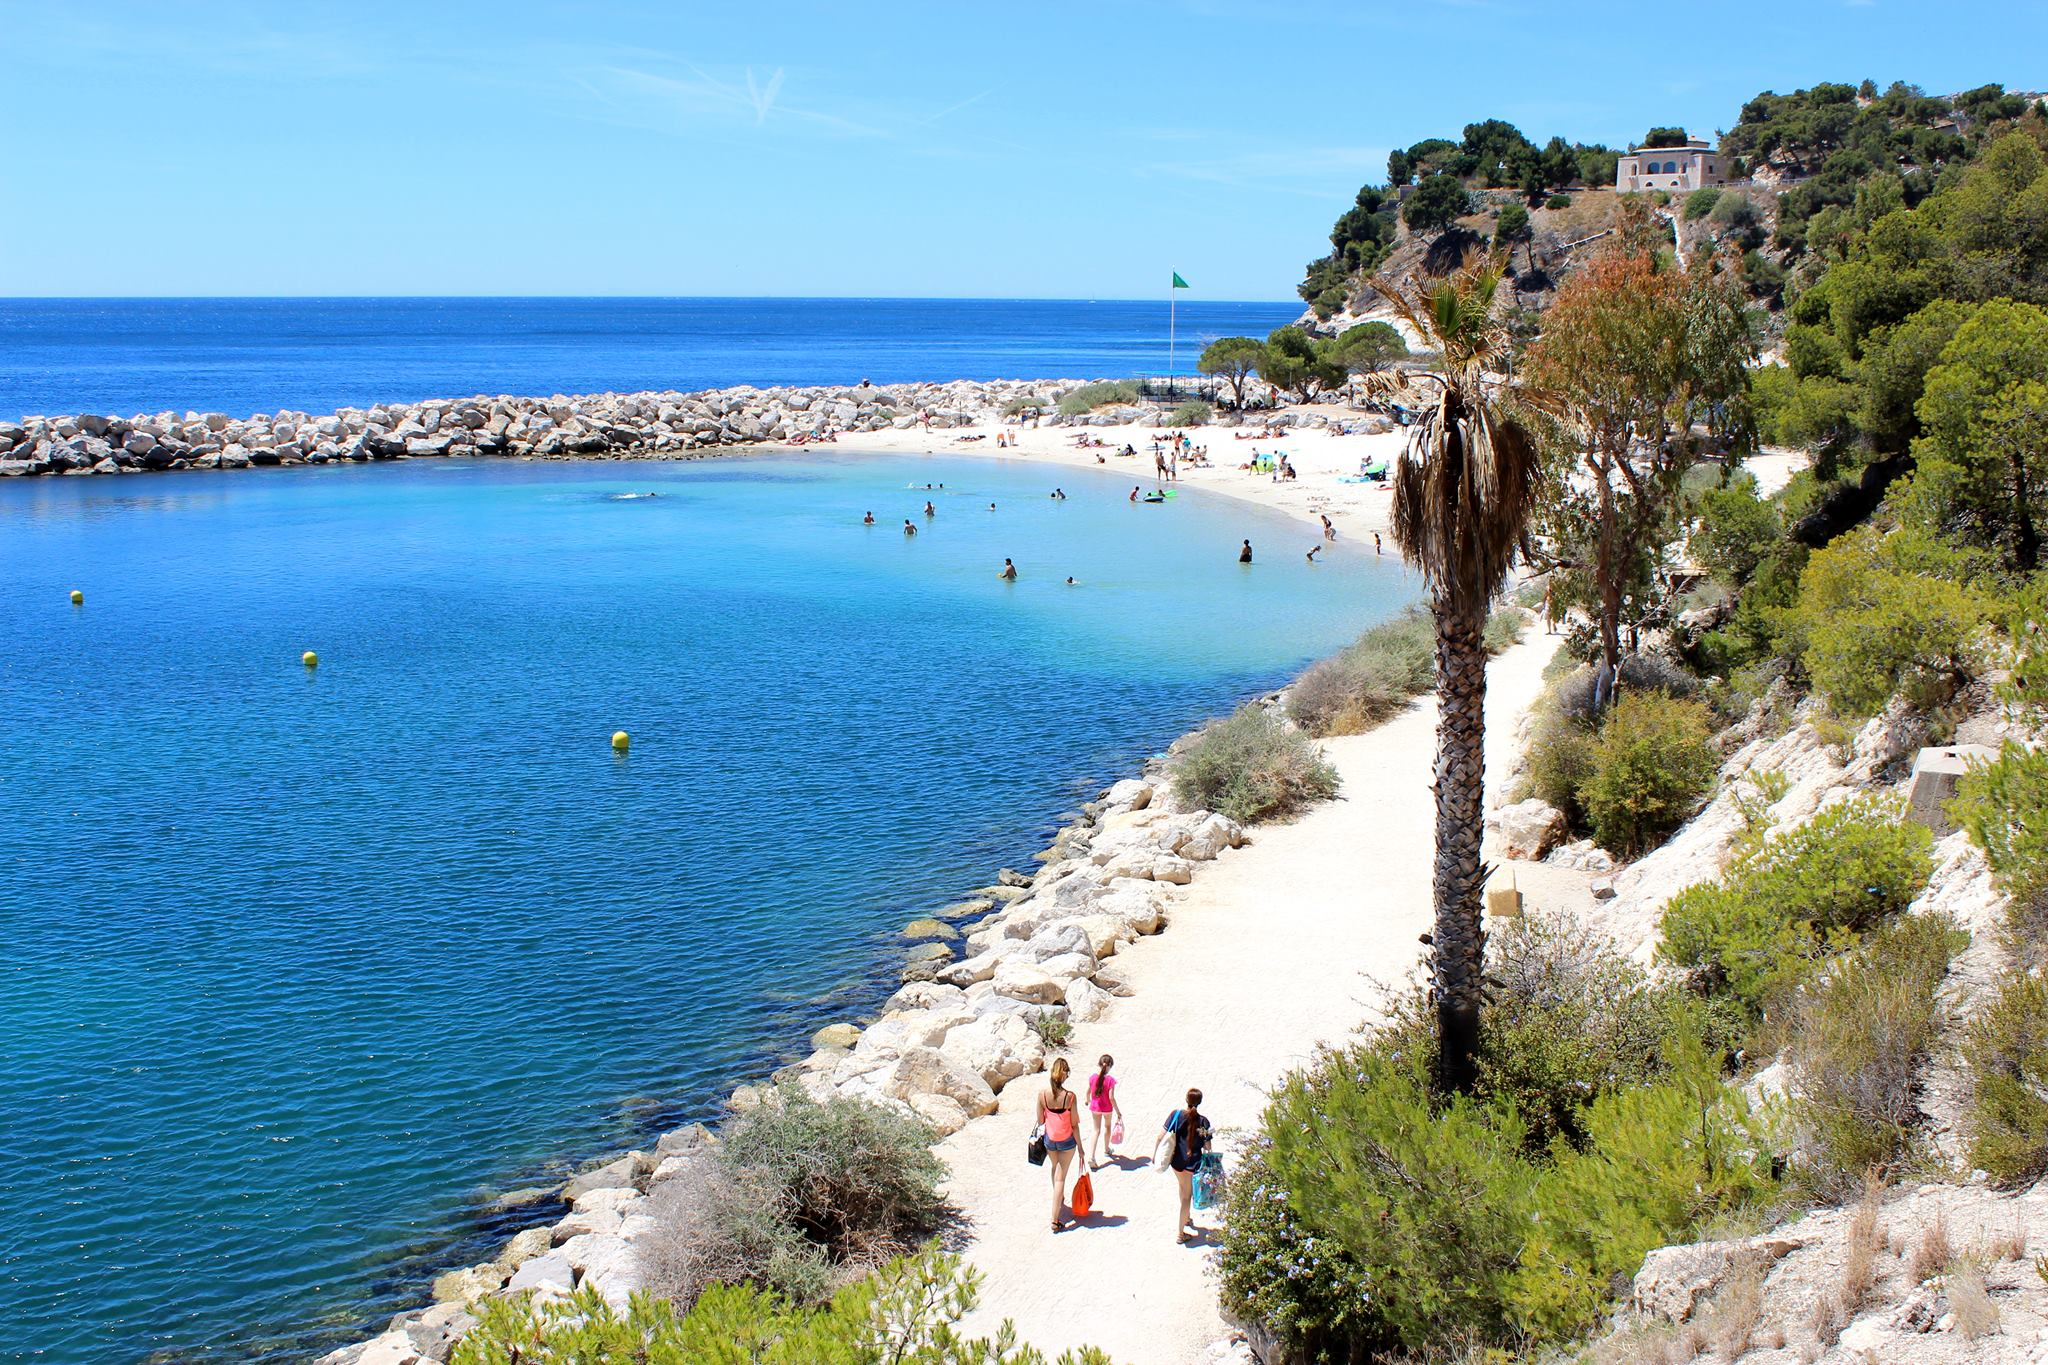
1009,573
991,507
930,510
868,520
1134,492
1329,531
908,529
1071,583
1312,553
1244,556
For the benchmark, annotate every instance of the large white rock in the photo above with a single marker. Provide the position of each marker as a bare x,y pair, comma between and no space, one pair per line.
1527,829
927,1071
1211,837
916,1028
547,1276
1022,981
1131,794
944,1115
998,1047
606,1264
1085,1000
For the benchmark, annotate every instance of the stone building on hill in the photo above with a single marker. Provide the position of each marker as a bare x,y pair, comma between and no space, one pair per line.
1688,167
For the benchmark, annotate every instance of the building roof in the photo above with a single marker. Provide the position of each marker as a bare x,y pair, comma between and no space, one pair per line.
1692,144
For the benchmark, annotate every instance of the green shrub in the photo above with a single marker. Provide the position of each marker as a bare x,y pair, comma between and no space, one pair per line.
1025,405
1081,401
1652,764
2005,1052
1701,202
1252,766
1558,201
796,1196
1432,1200
1797,897
1562,756
1054,1030
1736,530
2004,806
1371,681
1660,1161
906,1314
1864,1028
1193,413
1882,614
1275,1271
1380,1218
1375,677
1568,1019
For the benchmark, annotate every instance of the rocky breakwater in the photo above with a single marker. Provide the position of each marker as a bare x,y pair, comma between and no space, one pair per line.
945,1046
620,425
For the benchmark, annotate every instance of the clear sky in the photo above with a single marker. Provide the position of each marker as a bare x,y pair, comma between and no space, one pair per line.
786,147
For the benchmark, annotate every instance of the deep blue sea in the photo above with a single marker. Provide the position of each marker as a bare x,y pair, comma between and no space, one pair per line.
242,356
305,966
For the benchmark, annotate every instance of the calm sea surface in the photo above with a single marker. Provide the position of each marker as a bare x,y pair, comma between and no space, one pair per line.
241,356
304,967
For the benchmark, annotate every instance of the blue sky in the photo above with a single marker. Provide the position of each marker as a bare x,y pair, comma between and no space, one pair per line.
968,150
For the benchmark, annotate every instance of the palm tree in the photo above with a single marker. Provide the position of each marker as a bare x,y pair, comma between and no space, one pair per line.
1463,493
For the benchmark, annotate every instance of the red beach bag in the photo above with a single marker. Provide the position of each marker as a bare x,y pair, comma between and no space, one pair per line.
1083,1199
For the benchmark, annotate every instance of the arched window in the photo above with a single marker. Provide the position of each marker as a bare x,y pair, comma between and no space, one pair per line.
1671,168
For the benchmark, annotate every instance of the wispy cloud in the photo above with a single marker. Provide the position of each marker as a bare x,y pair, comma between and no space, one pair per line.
701,101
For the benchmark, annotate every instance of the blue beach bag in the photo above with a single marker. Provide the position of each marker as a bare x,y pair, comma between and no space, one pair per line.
1209,1181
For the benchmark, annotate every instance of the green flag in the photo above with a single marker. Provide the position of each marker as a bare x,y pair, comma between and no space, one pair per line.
1178,282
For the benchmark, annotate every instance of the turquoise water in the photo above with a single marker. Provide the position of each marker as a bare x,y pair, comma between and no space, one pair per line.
305,966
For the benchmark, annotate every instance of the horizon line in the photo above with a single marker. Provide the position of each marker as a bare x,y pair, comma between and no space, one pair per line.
636,298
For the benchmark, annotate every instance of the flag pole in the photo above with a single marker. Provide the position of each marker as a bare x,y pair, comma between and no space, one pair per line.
1171,303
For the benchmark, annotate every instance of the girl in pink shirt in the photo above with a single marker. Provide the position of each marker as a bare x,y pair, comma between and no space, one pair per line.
1102,1111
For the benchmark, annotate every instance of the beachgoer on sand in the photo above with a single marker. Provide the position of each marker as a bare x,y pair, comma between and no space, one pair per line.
1009,573
1105,1115
1189,1134
1244,556
1056,1117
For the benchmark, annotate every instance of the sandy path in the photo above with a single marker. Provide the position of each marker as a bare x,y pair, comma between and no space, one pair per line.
1272,949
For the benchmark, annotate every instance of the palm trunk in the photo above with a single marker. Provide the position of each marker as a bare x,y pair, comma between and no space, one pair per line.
1460,937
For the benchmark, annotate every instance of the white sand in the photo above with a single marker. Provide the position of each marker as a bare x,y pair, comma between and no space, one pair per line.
1274,948
1319,457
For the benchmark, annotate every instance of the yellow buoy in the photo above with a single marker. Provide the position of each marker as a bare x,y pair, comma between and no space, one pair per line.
77,598
310,659
620,740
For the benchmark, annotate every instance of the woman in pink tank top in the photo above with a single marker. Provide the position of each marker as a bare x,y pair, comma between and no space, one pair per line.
1056,1117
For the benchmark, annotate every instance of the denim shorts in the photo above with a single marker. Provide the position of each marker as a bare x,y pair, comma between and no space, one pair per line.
1067,1145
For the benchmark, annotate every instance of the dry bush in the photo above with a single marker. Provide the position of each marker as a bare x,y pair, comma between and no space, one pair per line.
1933,1253
1738,1309
1976,1314
2006,1246
1859,1266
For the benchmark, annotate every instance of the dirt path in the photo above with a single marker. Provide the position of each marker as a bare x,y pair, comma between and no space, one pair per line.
1272,949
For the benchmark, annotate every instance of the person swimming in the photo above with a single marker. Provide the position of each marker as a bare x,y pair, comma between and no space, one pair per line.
991,507
908,529
1312,550
1244,556
1071,583
930,510
868,520
1009,573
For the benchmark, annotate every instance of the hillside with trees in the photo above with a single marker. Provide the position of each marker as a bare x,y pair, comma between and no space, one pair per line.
1808,170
